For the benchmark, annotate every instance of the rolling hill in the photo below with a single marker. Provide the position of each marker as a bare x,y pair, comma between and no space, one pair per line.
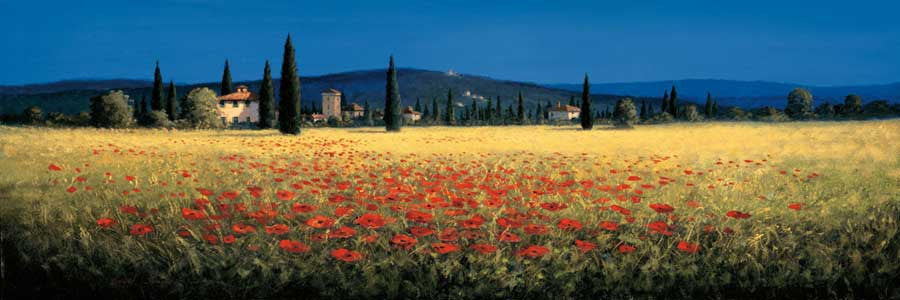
358,86
746,94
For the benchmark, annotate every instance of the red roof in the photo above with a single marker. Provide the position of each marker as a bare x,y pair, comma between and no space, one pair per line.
239,96
409,111
331,91
566,108
354,107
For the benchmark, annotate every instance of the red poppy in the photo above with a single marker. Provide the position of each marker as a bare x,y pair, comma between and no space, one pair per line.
141,229
533,251
418,216
241,228
343,254
535,229
421,231
320,222
608,225
795,206
688,247
569,225
553,206
444,248
509,237
53,167
231,195
737,214
585,246
293,246
212,239
342,233
626,248
228,239
255,191
370,238
659,227
192,214
302,208
403,241
449,234
204,192
484,248
634,178
128,209
370,221
284,195
662,208
277,229
106,222
71,189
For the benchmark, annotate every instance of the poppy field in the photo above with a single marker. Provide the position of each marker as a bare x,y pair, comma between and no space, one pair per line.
733,210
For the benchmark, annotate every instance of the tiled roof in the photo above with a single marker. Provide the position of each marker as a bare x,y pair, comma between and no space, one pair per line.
566,108
354,107
331,91
238,96
409,111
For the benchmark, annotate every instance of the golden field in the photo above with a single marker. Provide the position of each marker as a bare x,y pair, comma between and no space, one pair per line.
749,210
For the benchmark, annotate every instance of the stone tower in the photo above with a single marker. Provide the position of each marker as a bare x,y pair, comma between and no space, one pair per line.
331,103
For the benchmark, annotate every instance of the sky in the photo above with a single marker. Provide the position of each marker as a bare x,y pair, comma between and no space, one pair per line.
805,42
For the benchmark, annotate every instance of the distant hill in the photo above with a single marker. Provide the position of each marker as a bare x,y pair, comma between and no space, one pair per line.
358,86
747,94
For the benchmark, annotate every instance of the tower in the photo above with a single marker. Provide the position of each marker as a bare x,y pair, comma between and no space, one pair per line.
331,103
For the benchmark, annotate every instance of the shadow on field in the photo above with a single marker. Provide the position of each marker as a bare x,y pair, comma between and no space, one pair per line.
368,131
605,128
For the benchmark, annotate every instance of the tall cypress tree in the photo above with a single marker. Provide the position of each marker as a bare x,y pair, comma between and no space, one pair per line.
715,109
435,110
156,96
474,110
643,110
137,112
498,112
172,102
144,110
665,103
708,108
449,114
418,106
392,118
266,99
226,80
521,109
673,102
572,101
289,95
587,119
488,111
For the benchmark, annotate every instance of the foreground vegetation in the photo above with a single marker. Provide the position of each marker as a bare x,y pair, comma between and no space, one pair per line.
738,210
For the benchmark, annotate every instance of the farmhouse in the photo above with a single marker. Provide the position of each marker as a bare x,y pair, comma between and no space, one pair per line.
354,111
331,103
410,115
240,107
563,112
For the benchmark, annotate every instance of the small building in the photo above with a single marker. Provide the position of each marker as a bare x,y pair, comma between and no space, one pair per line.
331,103
316,118
240,107
354,111
410,115
563,112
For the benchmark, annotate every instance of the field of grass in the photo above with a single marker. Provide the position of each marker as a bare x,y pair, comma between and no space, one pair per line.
733,210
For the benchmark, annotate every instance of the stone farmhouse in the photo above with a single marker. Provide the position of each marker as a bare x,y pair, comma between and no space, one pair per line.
563,112
239,108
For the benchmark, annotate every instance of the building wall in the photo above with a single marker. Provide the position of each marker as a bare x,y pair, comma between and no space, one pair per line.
562,115
242,112
331,105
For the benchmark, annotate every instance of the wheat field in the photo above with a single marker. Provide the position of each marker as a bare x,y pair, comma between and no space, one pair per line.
735,210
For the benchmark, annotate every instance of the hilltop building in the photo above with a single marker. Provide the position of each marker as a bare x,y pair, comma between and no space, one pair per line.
331,103
410,115
240,107
563,112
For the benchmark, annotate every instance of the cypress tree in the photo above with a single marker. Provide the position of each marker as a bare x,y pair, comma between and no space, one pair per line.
665,102
643,110
521,109
144,109
498,112
289,94
418,106
267,99
708,108
426,114
715,109
392,118
650,109
572,101
171,102
537,111
156,96
436,110
226,80
587,119
673,102
343,101
137,112
449,115
474,110
488,111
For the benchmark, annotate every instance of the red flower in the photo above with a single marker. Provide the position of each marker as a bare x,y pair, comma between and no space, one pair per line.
204,192
302,208
277,229
343,254
533,251
688,247
569,225
662,208
241,228
128,209
737,215
293,246
449,234
192,214
370,221
71,189
626,248
342,233
228,239
418,216
53,167
795,206
106,222
320,222
444,248
535,229
553,206
403,241
421,231
607,225
509,237
484,248
659,227
255,191
212,239
634,178
284,195
585,246
141,229
129,178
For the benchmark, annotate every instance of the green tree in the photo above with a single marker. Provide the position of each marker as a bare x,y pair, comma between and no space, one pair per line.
226,81
825,110
172,102
289,94
498,111
643,114
392,117
449,114
156,96
665,102
673,102
111,110
520,113
587,119
266,99
625,114
852,105
799,104
715,110
137,111
435,110
691,114
144,110
708,108
202,109
418,106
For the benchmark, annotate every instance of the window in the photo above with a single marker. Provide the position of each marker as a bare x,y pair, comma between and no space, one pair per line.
223,120
221,103
248,120
235,120
236,104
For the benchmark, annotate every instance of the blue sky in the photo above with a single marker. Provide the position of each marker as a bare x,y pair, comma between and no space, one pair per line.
807,42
